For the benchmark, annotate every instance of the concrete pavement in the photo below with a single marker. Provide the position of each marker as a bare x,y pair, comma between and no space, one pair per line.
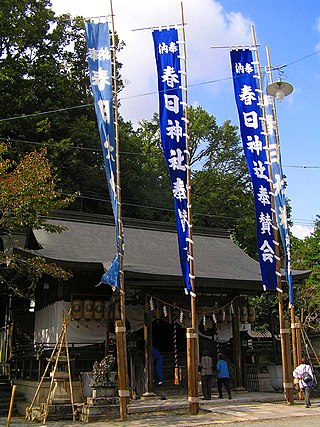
244,407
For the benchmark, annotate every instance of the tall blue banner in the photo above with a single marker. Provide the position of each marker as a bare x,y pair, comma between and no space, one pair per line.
99,59
172,129
247,99
278,183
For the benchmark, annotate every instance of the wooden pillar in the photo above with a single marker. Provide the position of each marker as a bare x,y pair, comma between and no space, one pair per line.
192,356
11,404
237,353
148,352
122,368
274,345
299,353
294,337
192,337
286,354
298,339
107,335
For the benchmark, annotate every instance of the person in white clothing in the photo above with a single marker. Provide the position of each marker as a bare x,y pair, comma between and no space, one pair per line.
304,374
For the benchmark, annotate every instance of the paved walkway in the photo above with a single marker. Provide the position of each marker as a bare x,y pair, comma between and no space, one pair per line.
244,407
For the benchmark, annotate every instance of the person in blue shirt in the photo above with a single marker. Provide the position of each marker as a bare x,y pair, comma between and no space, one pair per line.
223,376
157,366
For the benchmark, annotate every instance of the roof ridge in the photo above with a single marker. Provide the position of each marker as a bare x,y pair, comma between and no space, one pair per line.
135,223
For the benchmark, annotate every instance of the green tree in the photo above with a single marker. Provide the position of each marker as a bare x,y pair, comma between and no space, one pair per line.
306,256
28,194
221,189
222,193
43,68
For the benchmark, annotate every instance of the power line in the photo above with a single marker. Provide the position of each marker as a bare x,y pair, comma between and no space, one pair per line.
97,199
98,149
138,95
301,166
101,199
24,116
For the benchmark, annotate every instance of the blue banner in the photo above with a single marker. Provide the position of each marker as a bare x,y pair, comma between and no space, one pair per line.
172,129
278,183
253,139
100,70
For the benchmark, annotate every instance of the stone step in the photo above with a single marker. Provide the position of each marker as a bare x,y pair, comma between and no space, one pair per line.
95,413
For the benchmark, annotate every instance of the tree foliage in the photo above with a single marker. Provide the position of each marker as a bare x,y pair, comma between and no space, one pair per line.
43,67
306,256
28,194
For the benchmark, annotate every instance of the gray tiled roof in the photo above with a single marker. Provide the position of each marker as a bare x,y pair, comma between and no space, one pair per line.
150,250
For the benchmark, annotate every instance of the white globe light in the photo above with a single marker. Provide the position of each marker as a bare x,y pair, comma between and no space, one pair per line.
280,95
279,89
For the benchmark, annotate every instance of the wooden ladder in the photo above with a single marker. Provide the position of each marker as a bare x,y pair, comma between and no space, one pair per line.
62,343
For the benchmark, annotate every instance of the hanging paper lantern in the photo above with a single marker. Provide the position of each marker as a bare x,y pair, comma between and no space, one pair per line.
243,314
251,314
77,309
98,310
88,309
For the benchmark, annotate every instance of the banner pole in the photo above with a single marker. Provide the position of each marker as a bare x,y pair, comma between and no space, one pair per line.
123,379
286,361
291,305
192,336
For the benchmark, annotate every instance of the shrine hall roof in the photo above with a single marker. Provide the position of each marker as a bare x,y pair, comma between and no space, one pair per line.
151,250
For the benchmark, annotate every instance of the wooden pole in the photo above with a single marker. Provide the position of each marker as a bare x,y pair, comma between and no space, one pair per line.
148,350
294,333
123,378
192,350
121,356
298,340
291,305
29,408
237,346
69,374
192,361
286,361
53,373
288,374
13,392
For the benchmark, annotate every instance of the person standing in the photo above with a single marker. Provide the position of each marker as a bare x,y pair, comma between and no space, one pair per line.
304,374
223,376
157,366
206,366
